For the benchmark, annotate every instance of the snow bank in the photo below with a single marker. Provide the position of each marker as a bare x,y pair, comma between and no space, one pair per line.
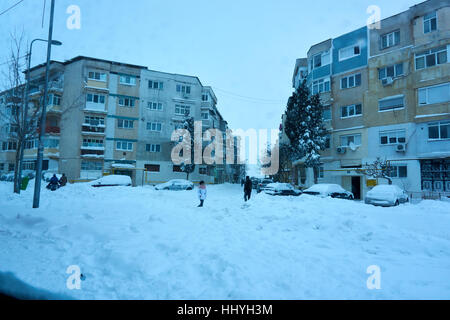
138,243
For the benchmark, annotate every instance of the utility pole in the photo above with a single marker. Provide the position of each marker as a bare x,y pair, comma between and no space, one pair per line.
38,179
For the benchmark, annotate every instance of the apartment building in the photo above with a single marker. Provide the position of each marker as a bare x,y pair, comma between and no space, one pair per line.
386,94
109,117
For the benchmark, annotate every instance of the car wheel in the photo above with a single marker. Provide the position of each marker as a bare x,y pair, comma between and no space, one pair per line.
189,188
166,188
397,203
351,198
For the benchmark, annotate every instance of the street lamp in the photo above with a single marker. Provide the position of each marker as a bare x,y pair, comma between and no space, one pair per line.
25,112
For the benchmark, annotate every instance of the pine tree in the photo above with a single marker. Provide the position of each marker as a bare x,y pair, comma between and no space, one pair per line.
304,127
188,125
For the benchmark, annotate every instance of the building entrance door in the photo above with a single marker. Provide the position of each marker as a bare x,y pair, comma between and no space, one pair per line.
356,187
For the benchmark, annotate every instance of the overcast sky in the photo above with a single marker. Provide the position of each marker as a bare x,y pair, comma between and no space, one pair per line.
245,50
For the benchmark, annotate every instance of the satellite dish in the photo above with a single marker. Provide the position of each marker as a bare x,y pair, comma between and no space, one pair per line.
352,146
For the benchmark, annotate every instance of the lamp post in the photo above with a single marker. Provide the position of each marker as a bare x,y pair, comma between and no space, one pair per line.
40,155
25,111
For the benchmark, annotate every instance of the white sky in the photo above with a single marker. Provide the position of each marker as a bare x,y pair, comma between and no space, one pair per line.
245,50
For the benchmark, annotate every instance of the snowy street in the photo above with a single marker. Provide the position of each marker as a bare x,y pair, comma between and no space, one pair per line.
139,243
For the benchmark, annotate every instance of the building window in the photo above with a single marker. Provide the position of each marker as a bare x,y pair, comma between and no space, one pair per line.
182,110
154,126
205,115
31,144
183,89
326,116
390,71
153,148
97,76
125,124
92,143
349,52
95,98
205,97
319,60
11,167
2,166
390,39
347,140
398,171
126,102
391,103
176,169
152,167
430,22
353,110
439,130
157,106
321,172
203,170
124,146
156,85
54,100
434,94
392,137
430,58
321,86
128,80
91,166
9,145
351,81
328,141
94,121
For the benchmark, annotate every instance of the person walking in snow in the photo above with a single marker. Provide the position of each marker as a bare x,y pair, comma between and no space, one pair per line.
201,193
247,188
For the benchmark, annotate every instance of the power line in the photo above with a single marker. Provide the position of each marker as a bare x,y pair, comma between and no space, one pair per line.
250,99
14,5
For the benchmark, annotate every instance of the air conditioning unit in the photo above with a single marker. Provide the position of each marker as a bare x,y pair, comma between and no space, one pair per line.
401,147
341,150
387,81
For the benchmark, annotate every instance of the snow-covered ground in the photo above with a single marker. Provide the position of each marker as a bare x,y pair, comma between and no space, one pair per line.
139,243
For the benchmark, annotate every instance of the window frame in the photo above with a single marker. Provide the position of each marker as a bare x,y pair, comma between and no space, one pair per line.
426,89
354,135
347,48
347,81
430,23
438,124
392,109
128,143
389,134
126,83
395,40
99,78
354,106
150,124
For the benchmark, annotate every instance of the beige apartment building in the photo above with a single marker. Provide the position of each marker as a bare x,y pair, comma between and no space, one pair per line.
388,91
109,117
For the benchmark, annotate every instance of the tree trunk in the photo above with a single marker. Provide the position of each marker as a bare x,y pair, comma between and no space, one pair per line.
17,170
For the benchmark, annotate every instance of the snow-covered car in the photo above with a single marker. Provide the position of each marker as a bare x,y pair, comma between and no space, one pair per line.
386,196
112,181
329,190
281,189
262,184
8,177
176,185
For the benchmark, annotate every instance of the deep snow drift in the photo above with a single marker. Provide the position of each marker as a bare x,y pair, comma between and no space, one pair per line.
139,243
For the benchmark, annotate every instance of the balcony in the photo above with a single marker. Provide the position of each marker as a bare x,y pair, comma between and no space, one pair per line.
96,130
50,130
93,154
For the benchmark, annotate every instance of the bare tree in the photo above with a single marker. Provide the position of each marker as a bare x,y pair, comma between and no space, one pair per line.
15,127
18,123
379,169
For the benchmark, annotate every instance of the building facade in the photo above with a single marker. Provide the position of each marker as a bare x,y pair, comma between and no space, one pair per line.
108,117
386,94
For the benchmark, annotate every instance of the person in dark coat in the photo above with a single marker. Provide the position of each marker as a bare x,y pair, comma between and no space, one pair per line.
247,189
54,183
63,180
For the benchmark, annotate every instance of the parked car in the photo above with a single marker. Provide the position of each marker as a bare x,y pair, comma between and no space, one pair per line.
176,185
255,182
7,177
281,189
112,181
386,196
262,184
329,190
